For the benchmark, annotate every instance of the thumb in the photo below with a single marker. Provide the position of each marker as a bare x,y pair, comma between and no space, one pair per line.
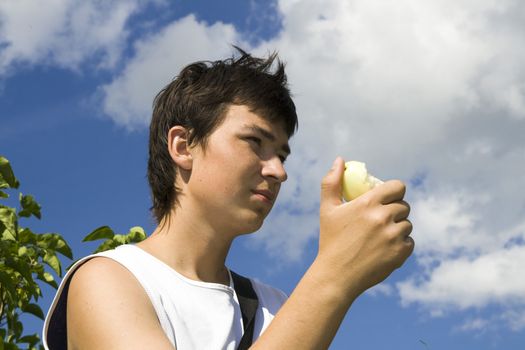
331,185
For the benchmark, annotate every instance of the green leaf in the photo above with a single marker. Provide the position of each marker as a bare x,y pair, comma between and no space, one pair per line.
22,251
21,267
107,245
26,236
9,220
2,193
10,346
103,232
34,309
120,239
49,279
32,339
64,248
43,240
18,328
32,290
55,242
53,262
6,174
29,206
8,282
136,234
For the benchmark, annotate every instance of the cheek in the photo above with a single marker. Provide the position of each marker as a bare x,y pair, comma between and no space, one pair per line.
226,171
219,178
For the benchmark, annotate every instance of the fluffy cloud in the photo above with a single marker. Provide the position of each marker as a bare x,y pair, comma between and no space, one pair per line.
62,32
472,282
158,59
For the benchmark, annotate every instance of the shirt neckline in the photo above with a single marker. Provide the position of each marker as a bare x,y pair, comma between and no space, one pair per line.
212,285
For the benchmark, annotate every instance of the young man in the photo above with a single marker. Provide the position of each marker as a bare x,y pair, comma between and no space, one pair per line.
218,142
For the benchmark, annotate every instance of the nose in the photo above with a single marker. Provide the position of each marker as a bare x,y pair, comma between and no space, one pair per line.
274,168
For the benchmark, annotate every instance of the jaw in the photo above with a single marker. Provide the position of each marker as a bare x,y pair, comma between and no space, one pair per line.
247,220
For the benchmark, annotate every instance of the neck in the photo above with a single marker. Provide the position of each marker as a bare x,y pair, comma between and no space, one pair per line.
191,247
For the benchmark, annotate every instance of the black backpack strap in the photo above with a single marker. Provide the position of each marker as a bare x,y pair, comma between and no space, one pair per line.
249,303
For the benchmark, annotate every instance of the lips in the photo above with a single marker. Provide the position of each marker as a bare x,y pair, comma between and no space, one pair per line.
269,195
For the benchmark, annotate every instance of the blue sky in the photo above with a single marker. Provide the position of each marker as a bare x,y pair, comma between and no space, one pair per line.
429,92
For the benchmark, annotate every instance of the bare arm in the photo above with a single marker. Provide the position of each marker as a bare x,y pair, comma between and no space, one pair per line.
361,243
107,308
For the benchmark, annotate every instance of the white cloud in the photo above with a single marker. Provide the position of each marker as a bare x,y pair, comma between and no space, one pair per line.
465,283
157,60
512,318
391,74
445,227
62,32
515,318
476,324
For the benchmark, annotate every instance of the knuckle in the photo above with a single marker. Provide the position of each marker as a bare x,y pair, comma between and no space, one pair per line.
393,235
379,217
364,201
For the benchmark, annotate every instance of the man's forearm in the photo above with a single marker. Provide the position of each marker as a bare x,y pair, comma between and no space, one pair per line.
311,316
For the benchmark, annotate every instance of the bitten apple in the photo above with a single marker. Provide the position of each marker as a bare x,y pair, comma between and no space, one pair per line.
357,180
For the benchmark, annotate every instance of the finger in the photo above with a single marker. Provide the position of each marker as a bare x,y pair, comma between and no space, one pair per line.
405,228
390,191
399,210
407,249
409,245
406,241
331,185
409,241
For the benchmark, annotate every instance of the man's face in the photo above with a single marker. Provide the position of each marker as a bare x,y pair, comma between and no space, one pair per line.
235,181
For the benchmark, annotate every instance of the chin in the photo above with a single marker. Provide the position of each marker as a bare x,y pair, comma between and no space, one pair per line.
250,227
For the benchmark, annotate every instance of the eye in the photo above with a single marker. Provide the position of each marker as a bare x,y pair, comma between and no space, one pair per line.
255,139
283,159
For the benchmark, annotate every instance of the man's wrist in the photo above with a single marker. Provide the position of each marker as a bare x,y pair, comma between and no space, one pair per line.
334,285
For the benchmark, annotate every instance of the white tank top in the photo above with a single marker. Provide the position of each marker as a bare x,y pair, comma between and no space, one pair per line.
193,314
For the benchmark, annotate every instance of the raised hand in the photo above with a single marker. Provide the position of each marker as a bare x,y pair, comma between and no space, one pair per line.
364,240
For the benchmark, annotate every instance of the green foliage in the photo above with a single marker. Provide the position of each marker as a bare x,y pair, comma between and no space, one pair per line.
25,258
112,240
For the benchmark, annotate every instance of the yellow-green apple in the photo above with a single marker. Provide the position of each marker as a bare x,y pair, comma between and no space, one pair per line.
357,180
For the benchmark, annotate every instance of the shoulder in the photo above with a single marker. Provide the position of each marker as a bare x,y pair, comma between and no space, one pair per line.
107,306
99,291
103,272
115,270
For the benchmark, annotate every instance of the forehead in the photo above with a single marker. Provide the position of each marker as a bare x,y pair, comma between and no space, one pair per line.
240,117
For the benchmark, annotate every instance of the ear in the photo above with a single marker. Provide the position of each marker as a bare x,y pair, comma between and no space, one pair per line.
178,147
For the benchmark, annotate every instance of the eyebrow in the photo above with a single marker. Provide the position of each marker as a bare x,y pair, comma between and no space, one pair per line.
268,135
